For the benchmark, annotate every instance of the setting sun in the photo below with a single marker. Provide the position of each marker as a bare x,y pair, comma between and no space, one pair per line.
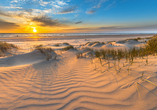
34,30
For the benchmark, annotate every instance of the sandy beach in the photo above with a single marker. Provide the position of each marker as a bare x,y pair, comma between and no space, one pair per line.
60,80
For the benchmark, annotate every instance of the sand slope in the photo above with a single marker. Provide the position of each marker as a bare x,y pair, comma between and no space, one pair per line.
24,59
67,83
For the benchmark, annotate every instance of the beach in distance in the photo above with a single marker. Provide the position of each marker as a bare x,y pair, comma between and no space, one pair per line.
78,72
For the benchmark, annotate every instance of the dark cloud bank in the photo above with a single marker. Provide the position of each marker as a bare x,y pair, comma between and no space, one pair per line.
68,10
7,25
46,21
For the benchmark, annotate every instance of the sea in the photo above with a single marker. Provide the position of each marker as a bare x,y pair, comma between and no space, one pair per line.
6,35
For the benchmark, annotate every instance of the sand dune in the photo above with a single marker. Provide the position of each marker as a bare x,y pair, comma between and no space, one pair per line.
23,59
114,45
68,83
29,82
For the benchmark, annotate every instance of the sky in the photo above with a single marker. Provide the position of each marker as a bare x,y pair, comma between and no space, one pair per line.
78,16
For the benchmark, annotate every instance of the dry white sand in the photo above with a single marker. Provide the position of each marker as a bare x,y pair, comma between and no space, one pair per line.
29,82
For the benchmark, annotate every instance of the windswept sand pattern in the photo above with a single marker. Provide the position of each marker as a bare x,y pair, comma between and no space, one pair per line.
67,83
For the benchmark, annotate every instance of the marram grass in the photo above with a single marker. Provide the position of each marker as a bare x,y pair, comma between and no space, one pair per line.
131,54
6,46
68,48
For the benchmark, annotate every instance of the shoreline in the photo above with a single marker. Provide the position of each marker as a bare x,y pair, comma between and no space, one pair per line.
38,38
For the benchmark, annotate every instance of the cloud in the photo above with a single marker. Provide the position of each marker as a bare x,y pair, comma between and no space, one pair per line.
82,29
14,1
78,22
25,13
76,15
90,11
108,27
46,21
54,3
97,28
93,9
42,3
34,16
24,3
150,26
100,3
10,7
7,25
68,10
110,5
12,14
117,28
61,3
52,6
3,13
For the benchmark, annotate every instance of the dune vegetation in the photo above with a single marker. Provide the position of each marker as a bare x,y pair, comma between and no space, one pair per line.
43,50
4,47
128,54
59,44
112,75
68,48
46,51
113,57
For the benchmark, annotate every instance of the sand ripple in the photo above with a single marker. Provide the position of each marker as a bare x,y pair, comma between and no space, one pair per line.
68,83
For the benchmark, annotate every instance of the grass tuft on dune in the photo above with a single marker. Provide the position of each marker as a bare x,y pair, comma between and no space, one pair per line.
130,55
46,51
6,46
152,45
68,48
59,44
150,48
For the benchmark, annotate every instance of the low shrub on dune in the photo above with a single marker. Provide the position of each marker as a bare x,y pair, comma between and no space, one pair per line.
91,43
65,43
137,39
60,44
79,55
152,45
110,56
68,48
46,51
150,48
6,46
57,44
129,54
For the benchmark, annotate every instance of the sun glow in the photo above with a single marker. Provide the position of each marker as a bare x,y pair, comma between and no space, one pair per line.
34,30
